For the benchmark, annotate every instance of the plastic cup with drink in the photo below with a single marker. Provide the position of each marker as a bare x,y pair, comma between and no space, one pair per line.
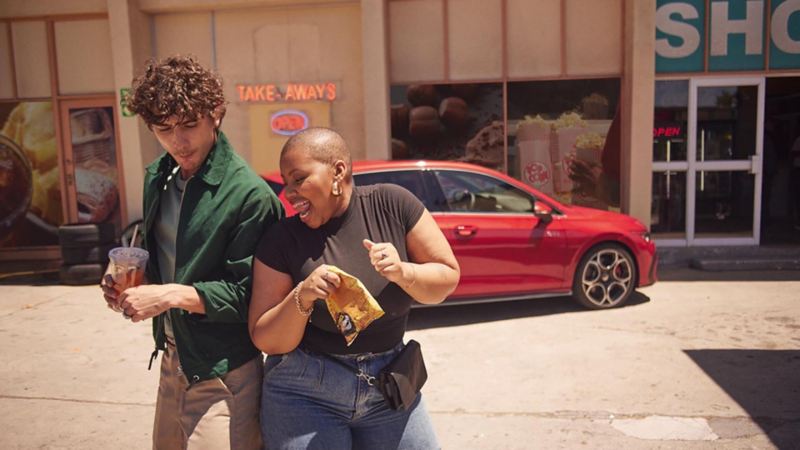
126,266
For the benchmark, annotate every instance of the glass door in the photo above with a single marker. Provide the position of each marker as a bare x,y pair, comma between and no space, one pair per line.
724,161
92,167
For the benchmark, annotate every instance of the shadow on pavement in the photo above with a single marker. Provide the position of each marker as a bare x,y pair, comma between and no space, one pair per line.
454,314
687,274
44,278
765,383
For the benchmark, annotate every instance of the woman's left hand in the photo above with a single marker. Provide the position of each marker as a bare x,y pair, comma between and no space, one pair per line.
384,258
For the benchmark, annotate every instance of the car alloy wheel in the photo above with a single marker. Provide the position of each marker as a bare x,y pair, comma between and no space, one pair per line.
606,277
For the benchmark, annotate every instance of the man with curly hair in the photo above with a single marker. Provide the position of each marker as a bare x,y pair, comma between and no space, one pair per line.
204,211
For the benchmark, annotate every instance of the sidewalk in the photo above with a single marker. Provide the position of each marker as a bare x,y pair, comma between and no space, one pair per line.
527,374
74,377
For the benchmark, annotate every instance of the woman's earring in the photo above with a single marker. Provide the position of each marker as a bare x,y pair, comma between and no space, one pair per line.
336,188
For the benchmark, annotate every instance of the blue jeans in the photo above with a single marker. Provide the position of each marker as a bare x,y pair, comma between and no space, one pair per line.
310,402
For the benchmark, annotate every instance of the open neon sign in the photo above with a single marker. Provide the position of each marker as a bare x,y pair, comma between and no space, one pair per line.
288,122
667,131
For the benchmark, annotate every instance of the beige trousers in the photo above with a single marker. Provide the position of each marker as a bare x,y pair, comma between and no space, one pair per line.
221,413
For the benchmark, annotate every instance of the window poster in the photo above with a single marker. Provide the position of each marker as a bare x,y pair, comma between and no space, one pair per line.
30,188
95,157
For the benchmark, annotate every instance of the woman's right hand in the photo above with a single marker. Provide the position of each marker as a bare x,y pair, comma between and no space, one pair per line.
318,284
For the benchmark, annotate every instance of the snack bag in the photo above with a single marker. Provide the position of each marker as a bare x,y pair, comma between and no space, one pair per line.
351,306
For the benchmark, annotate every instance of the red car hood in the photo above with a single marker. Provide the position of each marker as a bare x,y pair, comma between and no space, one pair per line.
597,215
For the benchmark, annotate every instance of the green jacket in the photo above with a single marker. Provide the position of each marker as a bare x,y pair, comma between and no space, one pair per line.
226,207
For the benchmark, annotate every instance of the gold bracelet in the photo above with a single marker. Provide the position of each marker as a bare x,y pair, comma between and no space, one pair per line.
303,311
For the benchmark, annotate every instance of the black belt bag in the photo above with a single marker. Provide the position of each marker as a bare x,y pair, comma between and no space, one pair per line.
401,380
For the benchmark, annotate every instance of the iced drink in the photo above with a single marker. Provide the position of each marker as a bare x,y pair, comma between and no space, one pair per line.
126,267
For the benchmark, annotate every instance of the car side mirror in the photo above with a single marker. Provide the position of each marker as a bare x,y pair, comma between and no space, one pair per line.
544,216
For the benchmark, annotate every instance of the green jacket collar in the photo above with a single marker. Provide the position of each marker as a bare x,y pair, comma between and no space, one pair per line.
213,169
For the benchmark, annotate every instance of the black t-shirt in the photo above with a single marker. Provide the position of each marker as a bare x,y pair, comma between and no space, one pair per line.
380,213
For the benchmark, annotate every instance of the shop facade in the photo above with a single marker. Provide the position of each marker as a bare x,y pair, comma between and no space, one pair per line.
565,95
60,140
726,117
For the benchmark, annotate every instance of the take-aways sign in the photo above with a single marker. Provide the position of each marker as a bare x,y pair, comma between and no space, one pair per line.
286,92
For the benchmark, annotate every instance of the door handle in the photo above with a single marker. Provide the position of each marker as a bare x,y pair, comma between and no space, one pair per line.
465,231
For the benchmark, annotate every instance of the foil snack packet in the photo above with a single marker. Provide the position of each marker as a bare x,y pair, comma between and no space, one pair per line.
351,306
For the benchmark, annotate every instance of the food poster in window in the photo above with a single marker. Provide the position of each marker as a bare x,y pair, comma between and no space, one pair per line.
563,139
30,185
458,122
95,157
271,125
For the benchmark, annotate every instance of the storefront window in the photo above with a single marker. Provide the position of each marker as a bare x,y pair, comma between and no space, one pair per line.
30,183
460,122
562,136
564,139
670,128
724,203
95,156
725,126
668,210
670,120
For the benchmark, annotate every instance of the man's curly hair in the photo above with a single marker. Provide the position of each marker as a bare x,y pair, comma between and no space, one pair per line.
176,86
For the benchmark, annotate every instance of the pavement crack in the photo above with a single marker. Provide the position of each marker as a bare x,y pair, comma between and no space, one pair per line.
590,415
74,400
30,306
600,415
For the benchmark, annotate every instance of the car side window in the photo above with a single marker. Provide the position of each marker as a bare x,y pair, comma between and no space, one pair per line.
473,192
409,179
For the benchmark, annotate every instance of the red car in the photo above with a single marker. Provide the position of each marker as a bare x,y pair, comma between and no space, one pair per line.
513,242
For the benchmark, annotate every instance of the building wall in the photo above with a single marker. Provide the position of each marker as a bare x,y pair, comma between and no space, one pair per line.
274,45
637,88
447,40
274,41
298,45
99,46
364,47
28,8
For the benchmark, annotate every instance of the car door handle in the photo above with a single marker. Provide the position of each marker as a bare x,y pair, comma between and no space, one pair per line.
465,231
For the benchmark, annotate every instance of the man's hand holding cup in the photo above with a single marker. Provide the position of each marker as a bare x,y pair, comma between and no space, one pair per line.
126,268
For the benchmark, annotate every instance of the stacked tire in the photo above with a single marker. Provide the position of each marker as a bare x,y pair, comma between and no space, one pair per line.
84,251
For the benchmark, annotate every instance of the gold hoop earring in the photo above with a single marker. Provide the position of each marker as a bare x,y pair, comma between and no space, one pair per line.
336,189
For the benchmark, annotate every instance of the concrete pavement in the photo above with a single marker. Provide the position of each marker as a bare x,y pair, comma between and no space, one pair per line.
693,363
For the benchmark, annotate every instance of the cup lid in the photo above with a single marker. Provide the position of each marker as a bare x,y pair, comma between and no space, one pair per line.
128,253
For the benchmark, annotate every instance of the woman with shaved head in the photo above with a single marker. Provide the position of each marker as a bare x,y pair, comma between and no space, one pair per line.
382,235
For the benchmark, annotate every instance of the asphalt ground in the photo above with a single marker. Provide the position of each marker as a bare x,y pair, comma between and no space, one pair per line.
700,360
